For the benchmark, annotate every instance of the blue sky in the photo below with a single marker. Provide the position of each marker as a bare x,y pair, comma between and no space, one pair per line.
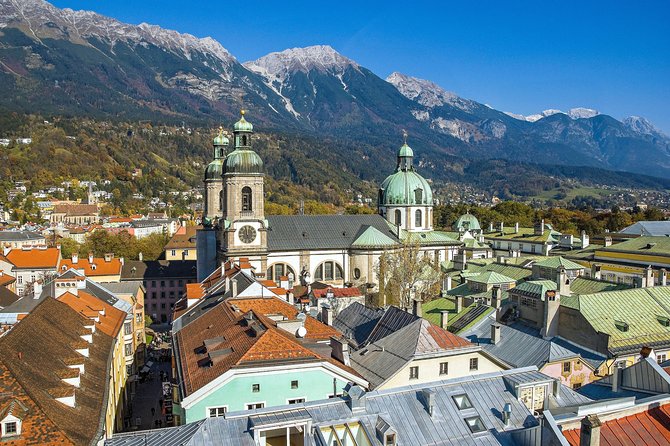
516,56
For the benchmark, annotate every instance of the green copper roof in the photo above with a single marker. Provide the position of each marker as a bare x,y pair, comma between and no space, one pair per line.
649,245
372,237
535,288
242,125
467,222
556,262
221,140
405,188
585,285
243,161
405,151
630,317
490,277
428,238
214,170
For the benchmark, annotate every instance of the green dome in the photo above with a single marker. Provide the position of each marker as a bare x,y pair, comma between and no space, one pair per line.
214,170
221,140
242,125
402,189
243,161
467,222
405,150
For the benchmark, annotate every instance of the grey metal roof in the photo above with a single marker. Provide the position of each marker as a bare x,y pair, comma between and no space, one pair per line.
646,228
522,346
19,236
393,320
382,359
403,409
158,269
309,232
125,287
645,376
357,321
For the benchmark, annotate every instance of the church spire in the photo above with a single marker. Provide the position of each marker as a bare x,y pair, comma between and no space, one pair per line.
405,155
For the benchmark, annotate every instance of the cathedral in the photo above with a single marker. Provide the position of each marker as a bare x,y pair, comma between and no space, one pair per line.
337,250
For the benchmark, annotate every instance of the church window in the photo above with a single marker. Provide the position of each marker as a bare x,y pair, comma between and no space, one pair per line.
357,273
328,271
244,140
222,201
418,218
398,217
278,270
418,195
246,199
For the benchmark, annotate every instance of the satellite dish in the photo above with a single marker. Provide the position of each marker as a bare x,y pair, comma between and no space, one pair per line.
301,317
302,331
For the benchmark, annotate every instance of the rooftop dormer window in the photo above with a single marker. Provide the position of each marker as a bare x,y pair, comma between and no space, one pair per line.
475,424
462,401
622,326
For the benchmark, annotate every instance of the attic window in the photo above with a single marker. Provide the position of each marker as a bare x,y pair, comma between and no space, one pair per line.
462,401
364,352
663,320
475,424
622,326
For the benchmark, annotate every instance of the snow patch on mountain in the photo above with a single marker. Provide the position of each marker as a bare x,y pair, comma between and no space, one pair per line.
640,125
319,57
427,93
574,113
582,113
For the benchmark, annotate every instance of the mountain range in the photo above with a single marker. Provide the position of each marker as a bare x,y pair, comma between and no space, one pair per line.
78,63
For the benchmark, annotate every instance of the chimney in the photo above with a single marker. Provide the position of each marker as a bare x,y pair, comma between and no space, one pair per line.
616,377
37,289
663,277
563,282
502,227
122,260
446,284
233,286
495,333
552,304
608,241
516,227
648,277
140,256
444,319
417,309
539,227
595,272
428,397
75,258
290,298
460,260
459,304
507,413
585,240
496,297
557,387
491,227
90,257
340,350
589,434
356,399
327,314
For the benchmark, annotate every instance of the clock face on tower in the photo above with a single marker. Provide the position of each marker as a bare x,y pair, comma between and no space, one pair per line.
247,234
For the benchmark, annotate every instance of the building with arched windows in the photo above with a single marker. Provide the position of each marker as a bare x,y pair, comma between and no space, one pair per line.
334,249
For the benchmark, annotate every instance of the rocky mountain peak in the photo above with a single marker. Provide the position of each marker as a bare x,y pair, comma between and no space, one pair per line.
425,92
319,57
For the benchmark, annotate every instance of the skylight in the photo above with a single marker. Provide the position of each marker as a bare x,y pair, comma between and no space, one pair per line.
462,401
475,424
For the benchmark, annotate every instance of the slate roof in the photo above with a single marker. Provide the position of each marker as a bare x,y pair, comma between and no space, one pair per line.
380,360
402,409
310,232
357,321
19,236
522,346
639,308
7,297
49,331
393,320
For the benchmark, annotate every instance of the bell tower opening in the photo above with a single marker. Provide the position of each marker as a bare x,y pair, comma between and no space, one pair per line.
246,199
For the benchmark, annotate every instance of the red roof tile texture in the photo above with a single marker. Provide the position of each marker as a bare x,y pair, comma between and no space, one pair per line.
651,427
34,258
99,267
89,306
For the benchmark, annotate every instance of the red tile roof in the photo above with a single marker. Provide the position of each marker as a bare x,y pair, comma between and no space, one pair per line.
6,279
447,339
650,427
34,258
99,267
315,329
195,291
83,303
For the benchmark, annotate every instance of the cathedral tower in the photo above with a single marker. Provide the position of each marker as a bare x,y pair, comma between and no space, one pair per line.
214,178
244,228
405,197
